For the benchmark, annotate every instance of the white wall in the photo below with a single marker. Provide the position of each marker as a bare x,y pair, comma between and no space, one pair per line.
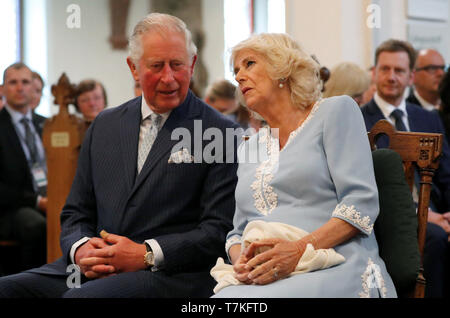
213,52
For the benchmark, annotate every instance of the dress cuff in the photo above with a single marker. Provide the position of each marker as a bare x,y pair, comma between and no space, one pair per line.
350,215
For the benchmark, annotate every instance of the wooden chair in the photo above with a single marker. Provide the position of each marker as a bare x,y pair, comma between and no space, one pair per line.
419,152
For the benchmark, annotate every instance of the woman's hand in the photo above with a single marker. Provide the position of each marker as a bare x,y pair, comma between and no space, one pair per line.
276,263
240,266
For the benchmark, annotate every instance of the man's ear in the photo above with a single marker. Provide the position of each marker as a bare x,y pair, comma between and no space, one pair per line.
194,59
411,77
133,69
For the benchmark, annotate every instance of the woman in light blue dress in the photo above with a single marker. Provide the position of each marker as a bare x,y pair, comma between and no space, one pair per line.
315,173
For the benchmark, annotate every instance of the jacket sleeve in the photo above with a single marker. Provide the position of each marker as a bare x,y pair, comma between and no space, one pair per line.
349,160
79,216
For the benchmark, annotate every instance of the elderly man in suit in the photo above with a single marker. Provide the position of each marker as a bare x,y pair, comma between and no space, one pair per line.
22,169
394,61
167,219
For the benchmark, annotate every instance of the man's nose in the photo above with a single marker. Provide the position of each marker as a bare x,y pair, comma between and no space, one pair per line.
167,74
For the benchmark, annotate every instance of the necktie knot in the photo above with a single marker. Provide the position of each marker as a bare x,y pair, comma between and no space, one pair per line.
25,121
155,120
398,116
149,139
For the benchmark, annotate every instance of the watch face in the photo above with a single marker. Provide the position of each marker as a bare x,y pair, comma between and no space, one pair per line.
149,259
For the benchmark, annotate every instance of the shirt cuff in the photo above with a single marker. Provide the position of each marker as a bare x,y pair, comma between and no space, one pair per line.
157,253
77,245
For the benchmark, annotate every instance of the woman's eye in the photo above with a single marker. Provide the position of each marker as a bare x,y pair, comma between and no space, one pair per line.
250,63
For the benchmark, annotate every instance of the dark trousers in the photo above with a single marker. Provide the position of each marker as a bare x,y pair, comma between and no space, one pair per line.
436,261
142,284
28,227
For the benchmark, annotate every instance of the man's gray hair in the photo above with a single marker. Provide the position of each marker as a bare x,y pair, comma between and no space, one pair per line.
161,23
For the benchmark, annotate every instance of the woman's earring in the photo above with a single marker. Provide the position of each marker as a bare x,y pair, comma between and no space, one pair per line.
282,80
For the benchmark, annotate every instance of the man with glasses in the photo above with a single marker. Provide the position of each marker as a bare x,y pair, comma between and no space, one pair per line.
428,73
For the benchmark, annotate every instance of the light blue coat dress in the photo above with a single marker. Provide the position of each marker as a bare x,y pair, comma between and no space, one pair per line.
325,170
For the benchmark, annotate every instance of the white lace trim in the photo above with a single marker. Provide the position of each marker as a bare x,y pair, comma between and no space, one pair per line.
308,119
350,214
232,241
371,278
266,200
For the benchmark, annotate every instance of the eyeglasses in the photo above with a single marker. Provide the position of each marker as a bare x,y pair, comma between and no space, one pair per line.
432,69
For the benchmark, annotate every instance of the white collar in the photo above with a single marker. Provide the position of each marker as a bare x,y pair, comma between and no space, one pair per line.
147,111
17,116
387,109
423,102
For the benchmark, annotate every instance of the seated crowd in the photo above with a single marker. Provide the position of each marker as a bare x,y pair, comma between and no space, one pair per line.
138,219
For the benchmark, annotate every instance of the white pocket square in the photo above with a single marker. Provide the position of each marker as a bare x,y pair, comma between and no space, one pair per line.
181,156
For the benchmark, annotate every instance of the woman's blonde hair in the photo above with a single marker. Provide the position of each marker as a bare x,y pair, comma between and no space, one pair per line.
286,61
347,79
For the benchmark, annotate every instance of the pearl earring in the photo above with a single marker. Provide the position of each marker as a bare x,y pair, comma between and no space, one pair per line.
281,85
282,80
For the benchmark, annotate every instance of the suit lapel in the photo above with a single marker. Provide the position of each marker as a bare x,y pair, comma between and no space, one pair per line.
375,113
12,137
413,120
129,139
180,117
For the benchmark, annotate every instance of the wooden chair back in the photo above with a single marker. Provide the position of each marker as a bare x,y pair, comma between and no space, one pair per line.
62,137
421,152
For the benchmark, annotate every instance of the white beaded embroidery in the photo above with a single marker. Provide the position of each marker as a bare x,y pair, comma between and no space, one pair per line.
353,216
266,200
232,241
371,278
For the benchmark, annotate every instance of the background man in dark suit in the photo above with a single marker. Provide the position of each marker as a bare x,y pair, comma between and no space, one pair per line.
428,74
22,166
394,61
2,102
168,220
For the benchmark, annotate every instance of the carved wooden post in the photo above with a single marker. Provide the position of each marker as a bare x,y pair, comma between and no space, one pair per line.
62,138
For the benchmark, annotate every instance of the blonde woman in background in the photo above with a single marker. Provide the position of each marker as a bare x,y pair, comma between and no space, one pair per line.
347,79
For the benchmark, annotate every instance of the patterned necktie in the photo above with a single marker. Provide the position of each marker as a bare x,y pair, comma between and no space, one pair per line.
398,115
29,140
149,139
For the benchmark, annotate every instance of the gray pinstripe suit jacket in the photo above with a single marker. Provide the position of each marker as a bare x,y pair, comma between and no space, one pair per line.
186,207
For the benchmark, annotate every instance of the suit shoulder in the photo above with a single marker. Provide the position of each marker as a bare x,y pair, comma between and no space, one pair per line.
117,110
212,117
416,109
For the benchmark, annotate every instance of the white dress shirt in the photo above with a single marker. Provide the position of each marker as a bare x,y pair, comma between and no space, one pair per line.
424,103
387,110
